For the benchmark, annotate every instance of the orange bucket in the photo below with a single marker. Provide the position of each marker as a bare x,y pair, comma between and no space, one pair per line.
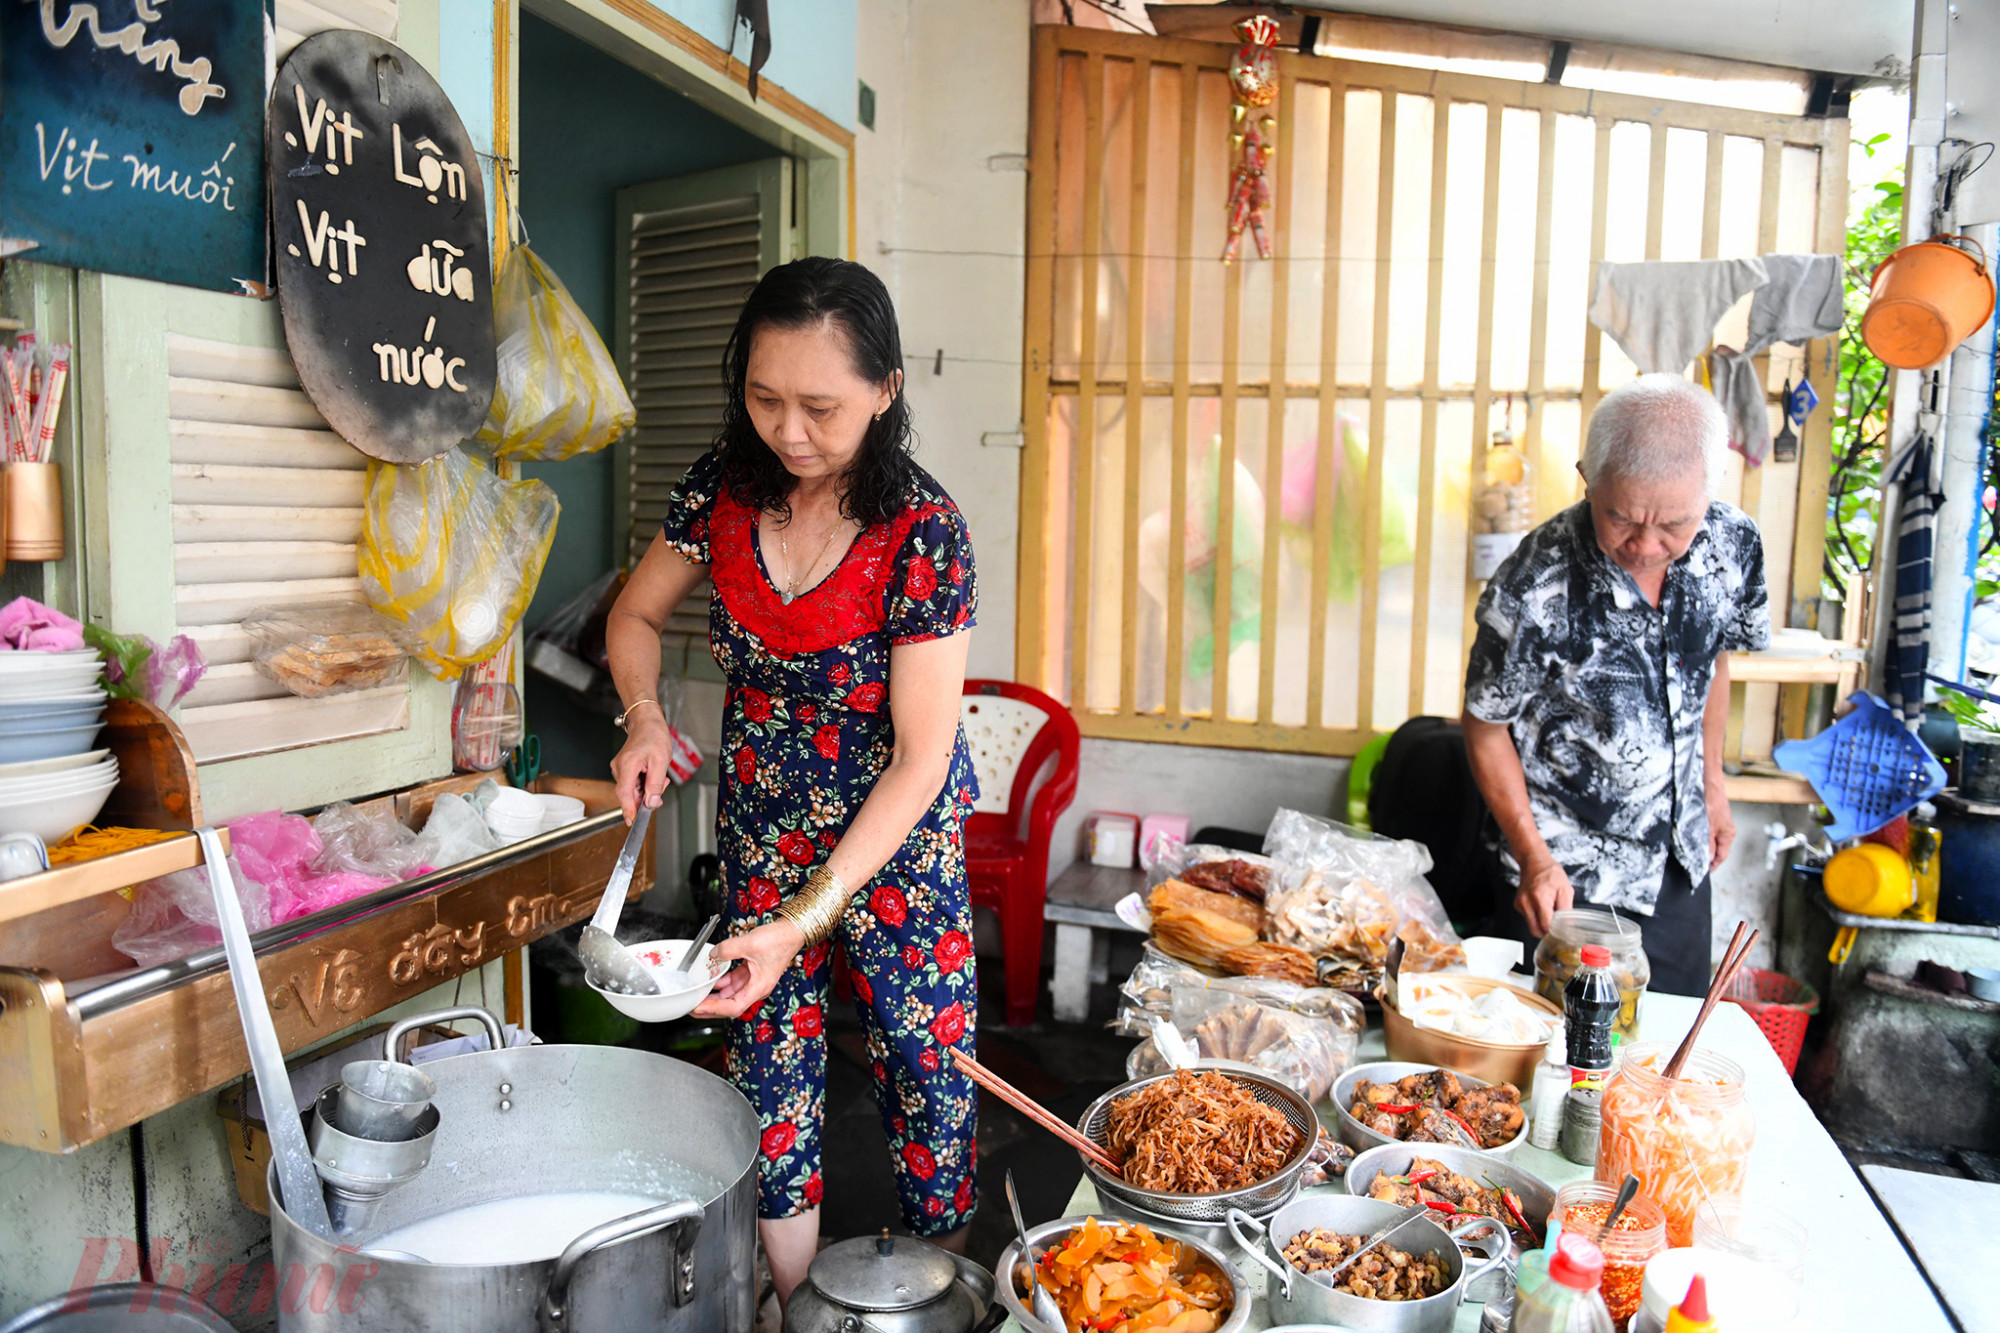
1925,300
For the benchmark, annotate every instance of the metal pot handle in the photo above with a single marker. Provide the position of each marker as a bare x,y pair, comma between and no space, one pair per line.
392,1043
1497,1245
1253,1245
684,1217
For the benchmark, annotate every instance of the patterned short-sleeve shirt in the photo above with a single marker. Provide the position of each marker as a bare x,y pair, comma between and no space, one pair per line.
1604,693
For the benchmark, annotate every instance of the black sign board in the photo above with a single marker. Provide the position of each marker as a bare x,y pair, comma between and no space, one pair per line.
130,133
378,219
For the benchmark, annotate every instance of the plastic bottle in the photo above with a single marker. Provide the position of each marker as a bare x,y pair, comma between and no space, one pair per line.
1691,1315
1545,1120
1567,1300
1923,853
1590,1007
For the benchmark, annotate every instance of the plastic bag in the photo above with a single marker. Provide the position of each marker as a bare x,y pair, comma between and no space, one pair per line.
452,553
280,851
137,667
556,391
456,832
174,915
1304,1036
569,645
1345,892
1176,860
354,842
326,648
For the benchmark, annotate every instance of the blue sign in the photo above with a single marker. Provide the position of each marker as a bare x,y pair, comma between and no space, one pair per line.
132,137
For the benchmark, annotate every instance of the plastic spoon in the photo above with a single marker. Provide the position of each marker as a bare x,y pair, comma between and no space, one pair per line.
607,964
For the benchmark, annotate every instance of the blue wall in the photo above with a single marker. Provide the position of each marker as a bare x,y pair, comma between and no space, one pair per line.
812,47
590,126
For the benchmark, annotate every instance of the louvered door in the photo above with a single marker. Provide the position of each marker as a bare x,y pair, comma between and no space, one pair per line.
266,511
693,248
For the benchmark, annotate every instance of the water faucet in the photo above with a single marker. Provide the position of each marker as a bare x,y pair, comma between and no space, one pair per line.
1783,840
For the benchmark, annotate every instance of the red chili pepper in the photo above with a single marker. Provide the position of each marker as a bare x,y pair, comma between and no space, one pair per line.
1514,1207
1395,1110
1131,1258
1421,1176
1108,1321
1441,1206
1461,1121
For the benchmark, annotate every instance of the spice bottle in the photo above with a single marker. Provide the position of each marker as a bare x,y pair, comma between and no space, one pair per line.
1590,1009
1691,1315
1545,1120
1567,1301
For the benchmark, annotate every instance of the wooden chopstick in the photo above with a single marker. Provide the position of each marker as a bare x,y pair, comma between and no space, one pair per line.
1740,943
1034,1110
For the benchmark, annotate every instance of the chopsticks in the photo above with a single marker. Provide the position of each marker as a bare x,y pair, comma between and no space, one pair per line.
1034,1110
31,390
1732,959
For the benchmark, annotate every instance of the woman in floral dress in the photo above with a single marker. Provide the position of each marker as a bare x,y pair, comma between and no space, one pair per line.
843,590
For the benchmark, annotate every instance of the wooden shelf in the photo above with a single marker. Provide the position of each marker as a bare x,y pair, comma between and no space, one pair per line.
1770,789
1773,669
66,884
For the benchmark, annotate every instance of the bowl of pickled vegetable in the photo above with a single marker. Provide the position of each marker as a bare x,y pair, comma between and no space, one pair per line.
1113,1275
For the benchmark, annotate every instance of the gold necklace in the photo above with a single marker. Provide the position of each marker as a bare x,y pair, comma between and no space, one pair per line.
791,589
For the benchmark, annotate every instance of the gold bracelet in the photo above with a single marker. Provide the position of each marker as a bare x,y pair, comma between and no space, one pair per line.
817,908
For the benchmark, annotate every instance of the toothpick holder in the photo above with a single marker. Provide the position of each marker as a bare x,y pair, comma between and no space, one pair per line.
33,527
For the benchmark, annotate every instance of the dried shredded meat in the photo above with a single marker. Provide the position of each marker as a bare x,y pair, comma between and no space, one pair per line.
1197,1134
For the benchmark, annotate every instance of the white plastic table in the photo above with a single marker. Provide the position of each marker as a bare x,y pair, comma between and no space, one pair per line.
1858,1275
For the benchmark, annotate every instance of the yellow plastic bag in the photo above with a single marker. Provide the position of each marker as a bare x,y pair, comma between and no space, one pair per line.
556,393
453,553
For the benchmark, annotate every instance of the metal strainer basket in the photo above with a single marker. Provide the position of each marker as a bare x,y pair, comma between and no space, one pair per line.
1266,1196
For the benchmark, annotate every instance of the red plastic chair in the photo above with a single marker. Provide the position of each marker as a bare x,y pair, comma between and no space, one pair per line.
1014,731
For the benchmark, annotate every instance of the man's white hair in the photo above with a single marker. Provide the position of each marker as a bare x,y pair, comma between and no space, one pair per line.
1656,428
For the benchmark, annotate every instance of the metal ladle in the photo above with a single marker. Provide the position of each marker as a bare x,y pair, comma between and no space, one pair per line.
607,964
1040,1301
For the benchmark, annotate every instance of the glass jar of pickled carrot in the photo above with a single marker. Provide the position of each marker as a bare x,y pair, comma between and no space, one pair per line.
1582,1207
1687,1140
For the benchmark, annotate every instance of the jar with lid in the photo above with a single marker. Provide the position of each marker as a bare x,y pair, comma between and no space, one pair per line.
1689,1138
1741,1294
1560,955
1581,1206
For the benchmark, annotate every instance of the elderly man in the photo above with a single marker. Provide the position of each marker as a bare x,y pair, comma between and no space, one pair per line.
1599,681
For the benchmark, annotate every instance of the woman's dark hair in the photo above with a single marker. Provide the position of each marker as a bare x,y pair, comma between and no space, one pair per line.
804,293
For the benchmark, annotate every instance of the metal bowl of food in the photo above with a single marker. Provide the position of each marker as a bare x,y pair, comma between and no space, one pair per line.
1210,1207
1197,1257
1296,1294
1384,1173
1361,1137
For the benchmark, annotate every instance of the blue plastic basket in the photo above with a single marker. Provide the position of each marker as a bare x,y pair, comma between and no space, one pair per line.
1868,767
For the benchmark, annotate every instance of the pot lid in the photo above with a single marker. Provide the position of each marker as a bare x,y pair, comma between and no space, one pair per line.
882,1272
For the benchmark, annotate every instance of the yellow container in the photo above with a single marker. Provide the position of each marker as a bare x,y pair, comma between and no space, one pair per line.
1869,879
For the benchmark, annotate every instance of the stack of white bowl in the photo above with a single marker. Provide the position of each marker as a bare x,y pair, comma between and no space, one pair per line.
558,811
51,708
514,814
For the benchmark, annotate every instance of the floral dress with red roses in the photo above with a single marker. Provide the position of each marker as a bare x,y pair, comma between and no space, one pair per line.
806,732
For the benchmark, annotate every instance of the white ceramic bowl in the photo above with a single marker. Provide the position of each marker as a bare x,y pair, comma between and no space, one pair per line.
59,784
36,702
53,818
8,772
25,746
22,686
659,956
559,810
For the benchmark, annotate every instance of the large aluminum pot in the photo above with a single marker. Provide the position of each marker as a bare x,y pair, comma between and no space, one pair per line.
1536,1197
1296,1298
539,1120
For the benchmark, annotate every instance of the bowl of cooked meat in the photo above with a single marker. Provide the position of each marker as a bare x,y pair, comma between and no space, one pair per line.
1193,1144
1457,1182
1395,1101
1411,1281
1113,1273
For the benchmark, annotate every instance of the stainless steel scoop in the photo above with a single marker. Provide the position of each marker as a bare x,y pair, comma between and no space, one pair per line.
607,964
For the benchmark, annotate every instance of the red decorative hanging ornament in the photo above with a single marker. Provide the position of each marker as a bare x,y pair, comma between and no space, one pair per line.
1253,79
1253,70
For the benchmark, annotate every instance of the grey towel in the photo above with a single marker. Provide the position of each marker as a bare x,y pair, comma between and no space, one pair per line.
1801,301
1734,380
1664,313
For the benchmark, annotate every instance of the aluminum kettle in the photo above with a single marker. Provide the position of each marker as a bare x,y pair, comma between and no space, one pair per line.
892,1284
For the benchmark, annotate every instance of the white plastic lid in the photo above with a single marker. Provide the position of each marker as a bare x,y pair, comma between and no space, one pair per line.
1558,1051
1741,1292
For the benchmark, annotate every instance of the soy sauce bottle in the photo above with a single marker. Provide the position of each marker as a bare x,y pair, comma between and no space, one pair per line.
1590,1007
